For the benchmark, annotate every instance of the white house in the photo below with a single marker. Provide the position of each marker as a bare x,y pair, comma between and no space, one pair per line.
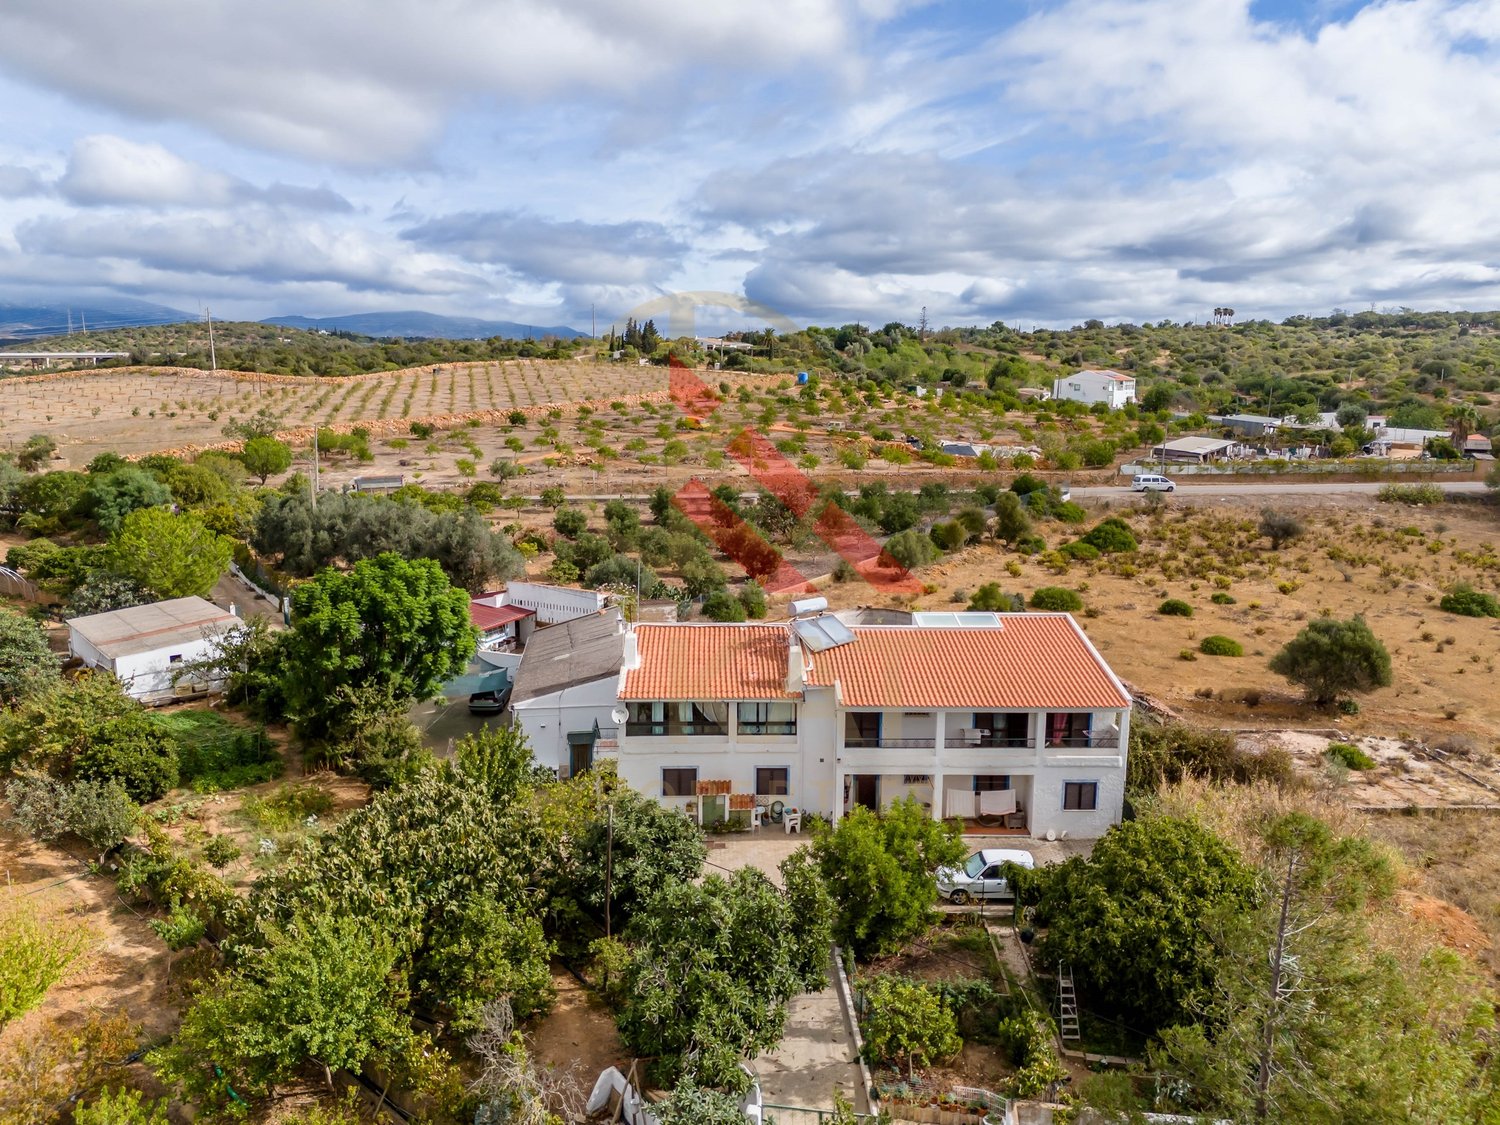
566,690
144,645
1016,716
1090,387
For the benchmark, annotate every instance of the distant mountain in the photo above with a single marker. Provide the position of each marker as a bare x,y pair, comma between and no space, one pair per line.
27,322
430,325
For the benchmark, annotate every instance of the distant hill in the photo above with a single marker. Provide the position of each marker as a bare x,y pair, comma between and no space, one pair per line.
28,322
430,325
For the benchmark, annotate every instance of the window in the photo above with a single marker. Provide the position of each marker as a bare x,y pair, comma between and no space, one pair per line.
990,782
677,718
772,781
1081,796
679,782
767,718
1003,728
175,658
1065,729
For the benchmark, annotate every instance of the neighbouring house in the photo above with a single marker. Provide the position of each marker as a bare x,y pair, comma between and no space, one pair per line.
1089,387
506,618
1402,442
566,690
1033,394
1477,445
145,645
1196,450
1249,425
1012,715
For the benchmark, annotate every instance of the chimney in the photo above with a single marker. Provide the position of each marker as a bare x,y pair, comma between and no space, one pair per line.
796,665
632,655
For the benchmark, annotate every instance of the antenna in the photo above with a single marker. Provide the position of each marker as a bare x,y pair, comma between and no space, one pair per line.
212,358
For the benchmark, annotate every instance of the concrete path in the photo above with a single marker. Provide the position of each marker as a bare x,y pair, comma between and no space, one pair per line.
815,1058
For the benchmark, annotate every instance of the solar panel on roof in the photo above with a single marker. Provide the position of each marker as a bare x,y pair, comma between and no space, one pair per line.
822,633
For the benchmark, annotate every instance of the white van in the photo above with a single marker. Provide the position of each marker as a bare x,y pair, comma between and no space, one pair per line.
1151,482
980,876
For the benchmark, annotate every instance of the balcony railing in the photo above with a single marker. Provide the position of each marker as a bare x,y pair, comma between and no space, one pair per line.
857,742
766,728
1080,741
673,730
995,739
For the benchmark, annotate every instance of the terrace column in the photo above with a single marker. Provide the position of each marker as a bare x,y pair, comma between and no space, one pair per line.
937,765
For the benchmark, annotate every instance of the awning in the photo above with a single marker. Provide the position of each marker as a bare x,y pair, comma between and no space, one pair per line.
495,679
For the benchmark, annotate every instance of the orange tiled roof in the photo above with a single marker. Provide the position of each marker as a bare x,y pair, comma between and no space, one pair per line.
709,662
1035,660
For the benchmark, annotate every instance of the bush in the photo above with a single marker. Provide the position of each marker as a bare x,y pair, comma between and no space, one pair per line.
912,549
1350,755
121,1107
991,599
1027,1039
1056,599
37,947
1175,607
96,811
214,754
1164,755
1279,527
1217,645
1222,598
133,752
570,522
1112,536
1466,601
1410,494
1031,544
1079,551
721,605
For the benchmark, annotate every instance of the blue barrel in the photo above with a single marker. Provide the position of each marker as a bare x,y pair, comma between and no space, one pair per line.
802,377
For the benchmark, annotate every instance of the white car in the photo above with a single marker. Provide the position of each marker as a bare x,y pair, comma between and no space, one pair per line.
979,877
1151,482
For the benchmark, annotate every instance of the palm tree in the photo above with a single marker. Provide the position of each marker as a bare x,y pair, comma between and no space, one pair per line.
1464,420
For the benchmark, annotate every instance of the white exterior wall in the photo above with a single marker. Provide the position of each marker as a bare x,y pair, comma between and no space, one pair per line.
145,675
1089,387
552,604
547,719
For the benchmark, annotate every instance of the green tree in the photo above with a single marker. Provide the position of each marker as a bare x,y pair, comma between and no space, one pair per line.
907,1020
121,1107
109,498
390,622
711,968
1011,520
1331,658
570,523
102,592
721,605
912,549
323,989
880,871
35,452
28,665
264,457
131,751
1130,918
499,759
172,555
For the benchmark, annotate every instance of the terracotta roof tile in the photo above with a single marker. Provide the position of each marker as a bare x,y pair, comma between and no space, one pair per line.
1033,660
709,662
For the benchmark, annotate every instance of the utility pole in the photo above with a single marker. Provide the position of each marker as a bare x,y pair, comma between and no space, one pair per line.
609,862
212,358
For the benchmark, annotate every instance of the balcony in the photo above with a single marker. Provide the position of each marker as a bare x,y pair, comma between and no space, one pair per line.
673,729
1084,742
858,742
986,739
756,729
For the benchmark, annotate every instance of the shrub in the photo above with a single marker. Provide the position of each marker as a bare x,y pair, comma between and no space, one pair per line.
1410,494
1279,527
1164,755
1222,598
570,522
37,948
1175,607
1350,755
1217,645
1112,536
1056,599
1028,1041
1031,544
990,598
121,1107
1069,512
1079,551
721,605
912,549
1466,601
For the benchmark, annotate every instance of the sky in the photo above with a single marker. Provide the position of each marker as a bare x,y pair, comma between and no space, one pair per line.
1038,162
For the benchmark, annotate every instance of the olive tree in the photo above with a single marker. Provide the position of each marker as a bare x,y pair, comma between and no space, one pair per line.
1331,658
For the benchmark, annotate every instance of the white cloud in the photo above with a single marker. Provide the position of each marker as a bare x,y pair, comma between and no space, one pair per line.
363,83
17,182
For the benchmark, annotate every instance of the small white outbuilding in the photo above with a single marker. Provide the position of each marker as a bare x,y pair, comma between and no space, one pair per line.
143,646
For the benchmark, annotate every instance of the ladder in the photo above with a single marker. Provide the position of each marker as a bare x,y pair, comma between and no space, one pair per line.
1067,1004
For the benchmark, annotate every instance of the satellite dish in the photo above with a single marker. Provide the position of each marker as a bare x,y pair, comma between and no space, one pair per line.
620,714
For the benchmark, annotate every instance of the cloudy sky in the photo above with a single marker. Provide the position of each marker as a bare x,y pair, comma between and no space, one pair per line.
1035,162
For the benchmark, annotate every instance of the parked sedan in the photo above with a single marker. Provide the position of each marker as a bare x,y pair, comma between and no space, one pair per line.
980,876
490,702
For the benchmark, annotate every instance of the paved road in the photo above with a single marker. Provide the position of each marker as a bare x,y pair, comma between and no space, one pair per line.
1186,486
814,1058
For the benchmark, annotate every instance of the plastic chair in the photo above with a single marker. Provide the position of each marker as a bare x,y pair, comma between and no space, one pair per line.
791,819
755,815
